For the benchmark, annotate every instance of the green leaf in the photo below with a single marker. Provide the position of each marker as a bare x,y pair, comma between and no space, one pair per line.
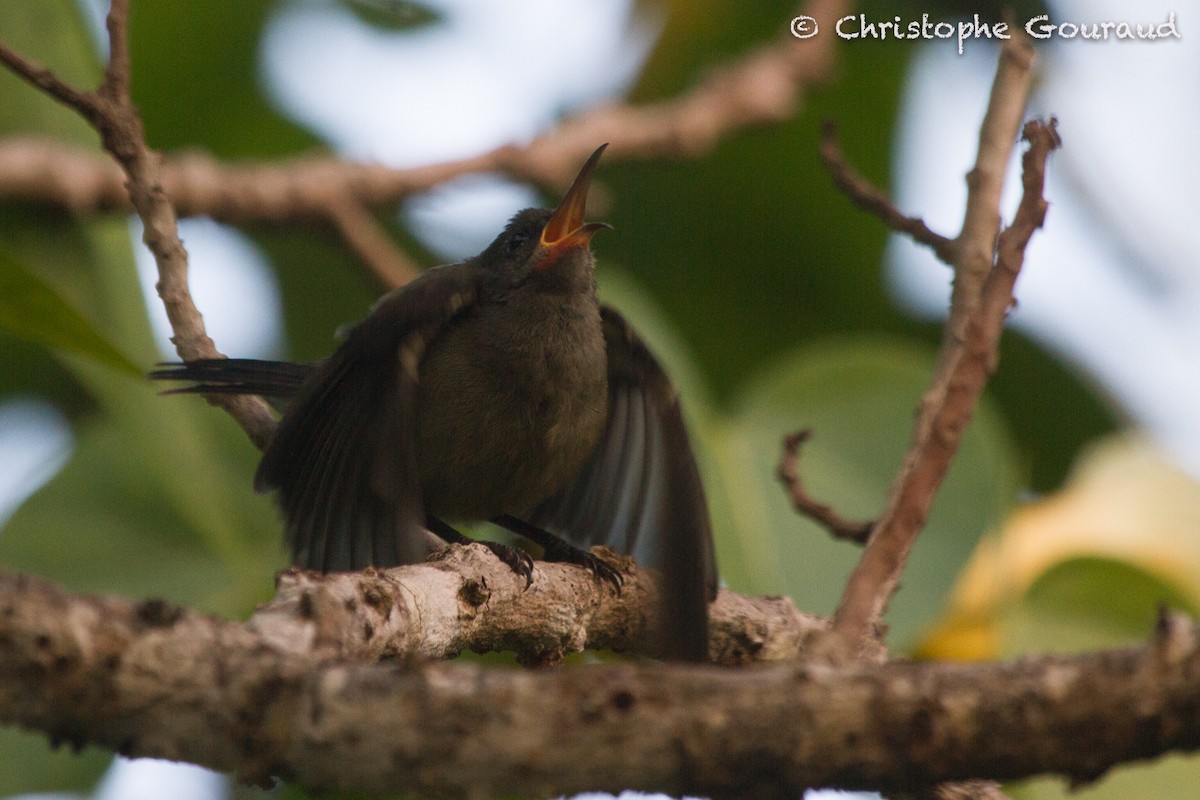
31,309
31,371
42,241
1088,603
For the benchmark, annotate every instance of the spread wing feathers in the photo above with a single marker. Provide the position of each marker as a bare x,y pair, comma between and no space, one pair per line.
280,379
640,492
344,457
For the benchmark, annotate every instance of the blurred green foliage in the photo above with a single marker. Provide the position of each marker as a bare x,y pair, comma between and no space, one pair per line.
756,281
31,309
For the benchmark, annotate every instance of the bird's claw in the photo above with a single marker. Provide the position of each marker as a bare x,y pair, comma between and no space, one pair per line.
566,553
517,559
602,570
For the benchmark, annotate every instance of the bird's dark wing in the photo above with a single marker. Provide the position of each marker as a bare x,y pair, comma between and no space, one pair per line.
344,458
640,491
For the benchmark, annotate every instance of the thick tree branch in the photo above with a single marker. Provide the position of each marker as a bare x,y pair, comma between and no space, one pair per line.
466,599
982,294
148,679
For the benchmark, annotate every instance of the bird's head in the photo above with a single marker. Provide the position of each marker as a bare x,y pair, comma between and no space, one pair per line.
549,247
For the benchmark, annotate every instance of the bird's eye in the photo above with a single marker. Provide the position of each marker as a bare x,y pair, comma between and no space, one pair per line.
515,242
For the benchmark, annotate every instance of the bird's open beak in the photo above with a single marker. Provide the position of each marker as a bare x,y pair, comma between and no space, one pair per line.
566,227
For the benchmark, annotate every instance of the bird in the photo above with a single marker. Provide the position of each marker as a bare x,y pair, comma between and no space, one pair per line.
497,388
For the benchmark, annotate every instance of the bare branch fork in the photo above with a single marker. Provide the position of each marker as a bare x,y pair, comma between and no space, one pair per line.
111,112
986,263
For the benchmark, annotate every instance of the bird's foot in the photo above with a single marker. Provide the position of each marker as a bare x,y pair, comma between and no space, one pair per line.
517,559
562,551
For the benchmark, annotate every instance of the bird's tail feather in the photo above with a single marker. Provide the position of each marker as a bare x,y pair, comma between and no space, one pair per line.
235,376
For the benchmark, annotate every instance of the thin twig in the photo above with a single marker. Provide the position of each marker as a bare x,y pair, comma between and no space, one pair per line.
118,74
871,199
979,304
1010,248
985,181
41,77
788,472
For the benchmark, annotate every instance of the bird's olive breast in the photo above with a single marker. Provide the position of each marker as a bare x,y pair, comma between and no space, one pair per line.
512,399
